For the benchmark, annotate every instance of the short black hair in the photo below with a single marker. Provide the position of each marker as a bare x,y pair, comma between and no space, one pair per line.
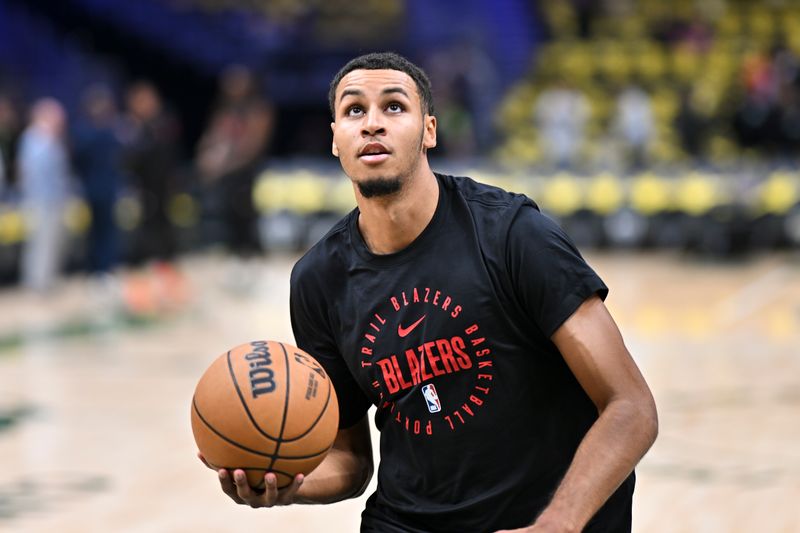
388,61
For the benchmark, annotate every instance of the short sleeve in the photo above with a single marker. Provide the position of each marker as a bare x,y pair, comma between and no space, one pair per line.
548,273
312,333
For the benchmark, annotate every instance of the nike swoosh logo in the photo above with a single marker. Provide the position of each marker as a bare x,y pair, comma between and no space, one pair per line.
405,331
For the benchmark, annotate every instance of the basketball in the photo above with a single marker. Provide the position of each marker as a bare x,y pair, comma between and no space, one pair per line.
265,406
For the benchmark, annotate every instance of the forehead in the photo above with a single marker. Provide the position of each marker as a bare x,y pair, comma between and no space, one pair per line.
373,82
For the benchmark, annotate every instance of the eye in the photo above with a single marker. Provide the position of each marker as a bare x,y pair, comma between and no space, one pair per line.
354,111
394,107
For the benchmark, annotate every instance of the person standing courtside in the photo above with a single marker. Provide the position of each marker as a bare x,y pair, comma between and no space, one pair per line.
151,156
10,132
506,398
44,183
231,153
97,153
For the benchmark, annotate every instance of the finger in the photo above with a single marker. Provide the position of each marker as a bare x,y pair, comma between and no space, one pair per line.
271,492
289,494
244,491
228,486
203,459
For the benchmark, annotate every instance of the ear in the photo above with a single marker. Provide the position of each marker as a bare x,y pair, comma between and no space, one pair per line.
334,148
429,136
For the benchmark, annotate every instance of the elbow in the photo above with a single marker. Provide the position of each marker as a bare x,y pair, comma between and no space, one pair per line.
364,477
654,426
649,420
640,418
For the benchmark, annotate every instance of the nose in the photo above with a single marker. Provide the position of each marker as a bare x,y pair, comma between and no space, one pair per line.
373,123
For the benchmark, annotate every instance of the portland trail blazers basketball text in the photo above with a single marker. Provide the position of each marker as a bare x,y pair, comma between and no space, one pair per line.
398,365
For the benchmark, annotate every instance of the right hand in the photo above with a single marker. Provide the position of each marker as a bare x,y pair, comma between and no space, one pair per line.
235,485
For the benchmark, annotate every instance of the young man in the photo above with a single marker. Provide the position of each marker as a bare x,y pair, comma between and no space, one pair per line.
505,395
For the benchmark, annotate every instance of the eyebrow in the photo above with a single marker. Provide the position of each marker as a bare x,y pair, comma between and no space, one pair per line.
388,90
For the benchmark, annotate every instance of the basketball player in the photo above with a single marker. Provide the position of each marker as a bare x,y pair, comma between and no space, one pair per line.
505,396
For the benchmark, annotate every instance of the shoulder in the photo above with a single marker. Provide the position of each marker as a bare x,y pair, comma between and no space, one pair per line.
505,218
492,209
537,228
484,195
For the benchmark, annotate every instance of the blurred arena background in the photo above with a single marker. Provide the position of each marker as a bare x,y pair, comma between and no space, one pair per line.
164,163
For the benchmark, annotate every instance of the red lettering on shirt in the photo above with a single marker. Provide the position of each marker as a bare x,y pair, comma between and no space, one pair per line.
400,379
433,358
389,378
446,303
446,354
463,359
424,374
413,366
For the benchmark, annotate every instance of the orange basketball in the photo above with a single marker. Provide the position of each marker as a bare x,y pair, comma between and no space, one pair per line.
265,406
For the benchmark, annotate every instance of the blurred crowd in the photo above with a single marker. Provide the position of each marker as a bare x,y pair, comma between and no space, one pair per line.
616,85
623,84
128,144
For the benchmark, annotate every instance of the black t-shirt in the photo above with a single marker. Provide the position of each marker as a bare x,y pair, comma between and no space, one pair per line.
450,338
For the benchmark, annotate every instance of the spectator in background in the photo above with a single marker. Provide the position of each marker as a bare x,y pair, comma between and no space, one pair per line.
691,124
790,121
458,137
44,182
457,123
10,131
634,124
231,153
561,112
97,156
151,156
586,12
786,74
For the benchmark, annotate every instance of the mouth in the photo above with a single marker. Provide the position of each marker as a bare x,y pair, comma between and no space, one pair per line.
374,153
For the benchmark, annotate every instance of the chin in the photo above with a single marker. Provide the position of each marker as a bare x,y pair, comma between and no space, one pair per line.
379,186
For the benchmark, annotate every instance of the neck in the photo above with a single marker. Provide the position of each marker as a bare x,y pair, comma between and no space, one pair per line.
390,223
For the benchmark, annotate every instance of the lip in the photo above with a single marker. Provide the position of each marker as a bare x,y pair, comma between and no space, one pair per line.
373,147
373,159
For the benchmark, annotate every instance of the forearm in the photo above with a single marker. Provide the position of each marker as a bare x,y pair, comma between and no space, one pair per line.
346,470
340,476
608,453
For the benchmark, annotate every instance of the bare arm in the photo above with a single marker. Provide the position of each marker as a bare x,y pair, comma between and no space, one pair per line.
346,470
592,346
344,473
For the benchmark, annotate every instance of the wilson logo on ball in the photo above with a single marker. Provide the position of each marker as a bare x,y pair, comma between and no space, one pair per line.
262,378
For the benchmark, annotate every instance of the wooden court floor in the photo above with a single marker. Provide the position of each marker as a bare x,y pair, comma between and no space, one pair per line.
94,406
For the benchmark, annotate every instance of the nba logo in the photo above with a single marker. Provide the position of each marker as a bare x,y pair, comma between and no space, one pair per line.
431,398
